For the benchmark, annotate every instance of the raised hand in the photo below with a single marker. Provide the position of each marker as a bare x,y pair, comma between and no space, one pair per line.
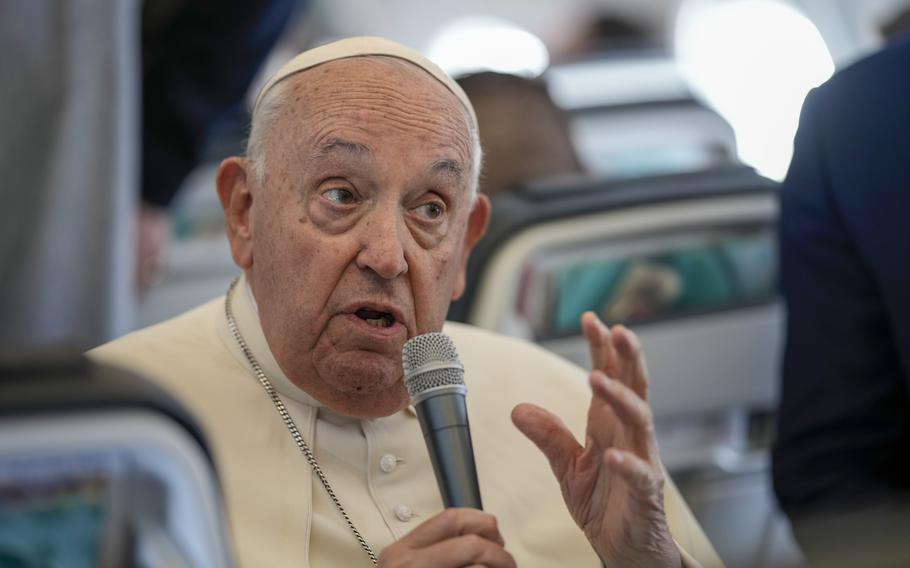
451,539
613,485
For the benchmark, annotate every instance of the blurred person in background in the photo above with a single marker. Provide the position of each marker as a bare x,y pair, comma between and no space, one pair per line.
524,134
612,33
198,60
841,461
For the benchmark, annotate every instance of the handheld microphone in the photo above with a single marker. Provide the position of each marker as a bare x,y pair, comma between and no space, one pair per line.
435,381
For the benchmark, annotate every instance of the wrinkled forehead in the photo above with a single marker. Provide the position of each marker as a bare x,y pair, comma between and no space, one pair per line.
375,76
377,95
360,47
380,105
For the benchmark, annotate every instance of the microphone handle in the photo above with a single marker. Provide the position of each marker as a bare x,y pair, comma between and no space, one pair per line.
444,422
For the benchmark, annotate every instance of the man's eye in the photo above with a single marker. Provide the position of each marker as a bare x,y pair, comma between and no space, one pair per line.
431,210
339,195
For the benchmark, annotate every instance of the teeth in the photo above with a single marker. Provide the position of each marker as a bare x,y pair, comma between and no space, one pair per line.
382,319
379,322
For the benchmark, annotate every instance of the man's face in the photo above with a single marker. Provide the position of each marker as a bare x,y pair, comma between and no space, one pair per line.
360,232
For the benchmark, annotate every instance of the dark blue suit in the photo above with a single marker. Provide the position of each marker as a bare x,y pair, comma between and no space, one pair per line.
844,423
198,59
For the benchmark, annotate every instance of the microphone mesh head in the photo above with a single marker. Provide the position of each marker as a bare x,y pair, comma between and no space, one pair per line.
422,358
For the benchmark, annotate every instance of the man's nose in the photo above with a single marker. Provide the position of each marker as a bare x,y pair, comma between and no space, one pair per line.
382,247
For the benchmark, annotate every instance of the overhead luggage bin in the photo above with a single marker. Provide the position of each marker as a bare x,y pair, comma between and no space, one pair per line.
633,114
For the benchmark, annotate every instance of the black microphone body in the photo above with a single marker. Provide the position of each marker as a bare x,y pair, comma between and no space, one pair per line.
435,381
444,421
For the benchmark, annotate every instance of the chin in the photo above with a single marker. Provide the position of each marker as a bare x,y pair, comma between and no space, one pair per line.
365,388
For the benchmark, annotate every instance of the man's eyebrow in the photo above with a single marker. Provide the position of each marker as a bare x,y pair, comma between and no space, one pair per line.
448,167
336,145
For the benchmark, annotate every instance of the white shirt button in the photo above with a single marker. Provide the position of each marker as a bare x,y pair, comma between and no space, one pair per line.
403,513
387,463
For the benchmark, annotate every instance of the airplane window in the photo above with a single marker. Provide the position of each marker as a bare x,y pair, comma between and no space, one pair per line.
654,280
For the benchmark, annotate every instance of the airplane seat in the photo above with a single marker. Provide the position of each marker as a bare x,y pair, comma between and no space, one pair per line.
99,467
689,262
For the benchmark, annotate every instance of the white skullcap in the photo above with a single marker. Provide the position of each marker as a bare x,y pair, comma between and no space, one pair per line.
360,47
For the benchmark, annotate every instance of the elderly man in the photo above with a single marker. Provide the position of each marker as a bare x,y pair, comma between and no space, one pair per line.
352,218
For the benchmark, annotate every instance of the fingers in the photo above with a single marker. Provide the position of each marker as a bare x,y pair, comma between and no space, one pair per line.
617,352
603,354
453,523
467,550
549,434
631,410
628,406
453,538
635,372
645,480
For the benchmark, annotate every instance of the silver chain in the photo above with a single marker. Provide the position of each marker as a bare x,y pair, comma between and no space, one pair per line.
289,422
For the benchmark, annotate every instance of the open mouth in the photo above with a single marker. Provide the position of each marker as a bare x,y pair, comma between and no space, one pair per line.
375,318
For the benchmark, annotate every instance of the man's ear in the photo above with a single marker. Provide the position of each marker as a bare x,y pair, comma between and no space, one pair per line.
477,227
233,184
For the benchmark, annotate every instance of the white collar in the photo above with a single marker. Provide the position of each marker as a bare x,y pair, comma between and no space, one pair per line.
246,316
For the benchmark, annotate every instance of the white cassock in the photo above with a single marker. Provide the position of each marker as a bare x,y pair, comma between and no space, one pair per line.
279,513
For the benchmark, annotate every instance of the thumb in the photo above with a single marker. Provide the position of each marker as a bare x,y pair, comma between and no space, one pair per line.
549,434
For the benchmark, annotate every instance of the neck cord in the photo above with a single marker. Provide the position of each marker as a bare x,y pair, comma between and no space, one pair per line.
289,422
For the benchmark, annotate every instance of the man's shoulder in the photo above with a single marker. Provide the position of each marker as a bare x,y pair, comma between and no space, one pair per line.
185,332
877,84
494,344
503,371
888,64
511,358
